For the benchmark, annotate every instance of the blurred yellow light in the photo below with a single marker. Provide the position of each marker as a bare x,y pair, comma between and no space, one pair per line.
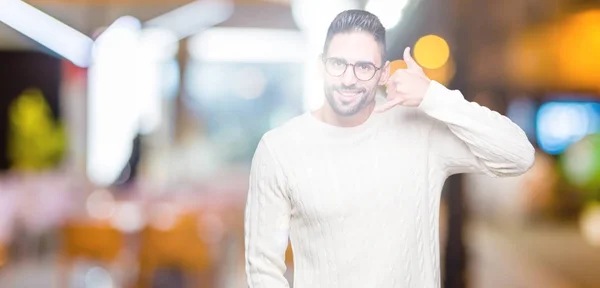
431,51
443,74
396,65
578,50
528,59
561,55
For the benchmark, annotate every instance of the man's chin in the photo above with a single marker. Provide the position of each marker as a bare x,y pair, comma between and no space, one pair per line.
346,110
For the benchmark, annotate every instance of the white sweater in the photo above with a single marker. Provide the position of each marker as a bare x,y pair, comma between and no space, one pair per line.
361,204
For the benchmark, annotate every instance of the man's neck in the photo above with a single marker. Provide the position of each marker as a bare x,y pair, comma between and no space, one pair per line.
327,115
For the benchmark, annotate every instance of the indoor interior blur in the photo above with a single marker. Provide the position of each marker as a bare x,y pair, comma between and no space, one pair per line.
127,129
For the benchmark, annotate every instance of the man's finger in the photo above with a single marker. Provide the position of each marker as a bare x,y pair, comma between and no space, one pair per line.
390,90
401,88
389,105
410,62
391,80
404,75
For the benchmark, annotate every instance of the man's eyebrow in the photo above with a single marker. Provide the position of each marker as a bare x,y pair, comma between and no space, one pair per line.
357,62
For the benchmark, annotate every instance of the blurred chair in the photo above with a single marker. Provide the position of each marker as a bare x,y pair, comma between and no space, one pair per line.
178,246
95,241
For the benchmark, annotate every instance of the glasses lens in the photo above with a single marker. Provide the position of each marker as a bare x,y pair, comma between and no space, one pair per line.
335,67
364,71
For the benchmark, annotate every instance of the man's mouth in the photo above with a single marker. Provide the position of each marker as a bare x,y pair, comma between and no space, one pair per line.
349,93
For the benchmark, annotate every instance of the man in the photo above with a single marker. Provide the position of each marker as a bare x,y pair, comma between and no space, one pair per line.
357,187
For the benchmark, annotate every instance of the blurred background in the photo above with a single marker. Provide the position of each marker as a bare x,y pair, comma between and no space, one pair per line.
127,129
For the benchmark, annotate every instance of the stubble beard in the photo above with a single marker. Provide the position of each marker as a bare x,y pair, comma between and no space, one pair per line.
346,110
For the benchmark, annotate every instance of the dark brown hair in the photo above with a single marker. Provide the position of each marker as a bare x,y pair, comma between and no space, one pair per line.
357,21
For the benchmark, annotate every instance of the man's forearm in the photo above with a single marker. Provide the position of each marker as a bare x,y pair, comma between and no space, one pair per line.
499,144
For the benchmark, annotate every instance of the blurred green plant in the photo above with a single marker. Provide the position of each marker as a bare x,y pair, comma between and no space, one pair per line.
35,141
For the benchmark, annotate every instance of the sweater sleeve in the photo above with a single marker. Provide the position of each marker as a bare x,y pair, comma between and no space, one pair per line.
267,216
468,137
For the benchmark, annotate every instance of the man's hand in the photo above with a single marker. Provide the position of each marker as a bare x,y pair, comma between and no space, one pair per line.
406,87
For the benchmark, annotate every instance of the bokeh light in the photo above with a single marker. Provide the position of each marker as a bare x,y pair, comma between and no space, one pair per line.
589,223
431,51
581,163
396,65
442,74
388,11
100,204
559,124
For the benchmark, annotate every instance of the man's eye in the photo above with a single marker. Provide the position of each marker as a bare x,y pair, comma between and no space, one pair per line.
365,67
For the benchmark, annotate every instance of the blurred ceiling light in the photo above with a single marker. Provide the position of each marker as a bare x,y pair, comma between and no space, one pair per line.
313,15
248,45
157,47
193,17
113,100
120,28
46,30
158,43
432,51
126,79
388,11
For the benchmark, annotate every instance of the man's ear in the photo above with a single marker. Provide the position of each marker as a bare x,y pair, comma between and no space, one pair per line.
385,73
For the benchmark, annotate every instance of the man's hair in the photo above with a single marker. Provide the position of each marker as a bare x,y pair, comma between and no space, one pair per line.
357,21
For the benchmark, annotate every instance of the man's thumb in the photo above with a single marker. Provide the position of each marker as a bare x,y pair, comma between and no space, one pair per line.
411,64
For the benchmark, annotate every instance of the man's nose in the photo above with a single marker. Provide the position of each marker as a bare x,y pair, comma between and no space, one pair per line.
348,78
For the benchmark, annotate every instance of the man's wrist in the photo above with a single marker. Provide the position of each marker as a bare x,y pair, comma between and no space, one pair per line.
429,98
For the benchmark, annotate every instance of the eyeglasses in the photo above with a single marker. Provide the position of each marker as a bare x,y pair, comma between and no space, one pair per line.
363,71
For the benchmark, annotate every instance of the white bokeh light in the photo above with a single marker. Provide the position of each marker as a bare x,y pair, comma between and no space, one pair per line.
126,80
388,11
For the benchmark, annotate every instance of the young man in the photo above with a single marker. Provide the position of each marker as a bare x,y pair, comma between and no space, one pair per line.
357,187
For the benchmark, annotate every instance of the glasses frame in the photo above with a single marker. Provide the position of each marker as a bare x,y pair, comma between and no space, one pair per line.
325,59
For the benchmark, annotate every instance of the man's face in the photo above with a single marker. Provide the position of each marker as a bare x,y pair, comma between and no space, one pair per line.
348,93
